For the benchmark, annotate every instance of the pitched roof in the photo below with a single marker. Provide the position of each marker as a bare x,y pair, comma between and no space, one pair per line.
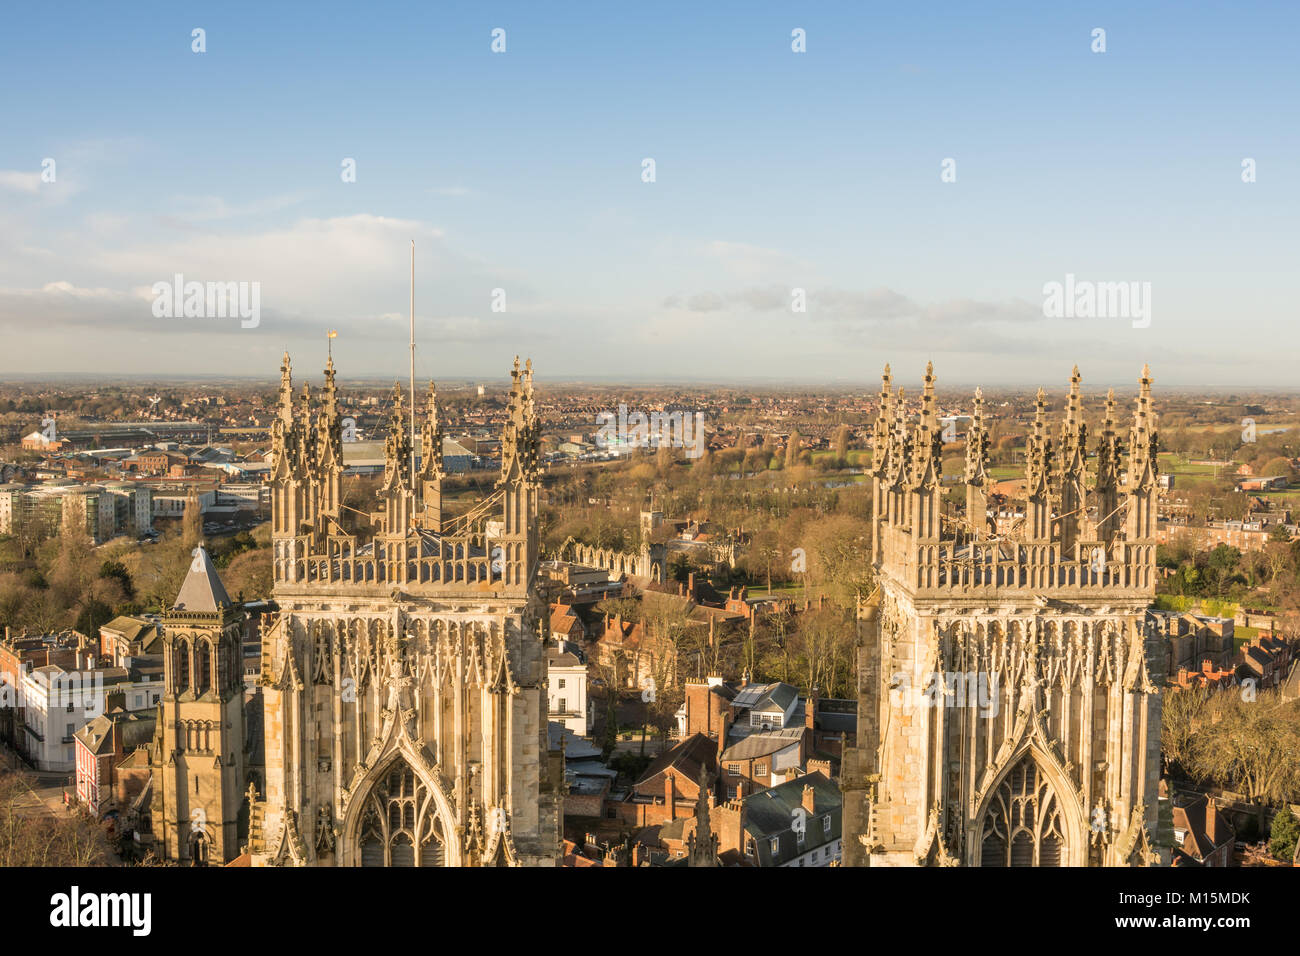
135,729
761,745
1193,817
127,627
770,815
558,658
766,697
202,590
685,758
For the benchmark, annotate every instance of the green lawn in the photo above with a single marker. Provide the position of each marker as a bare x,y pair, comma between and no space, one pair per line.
1243,635
1173,464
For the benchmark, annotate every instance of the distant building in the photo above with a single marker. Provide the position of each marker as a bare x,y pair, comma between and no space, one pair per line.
762,760
126,636
102,511
566,681
101,746
1266,660
670,787
58,702
1202,834
1194,643
38,441
798,823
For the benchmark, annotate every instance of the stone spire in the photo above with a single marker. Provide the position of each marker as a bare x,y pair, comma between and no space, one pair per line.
520,468
900,443
977,445
1109,464
1143,443
431,470
884,423
703,843
307,458
519,441
329,447
330,435
283,437
1142,465
881,449
397,447
1038,473
202,590
976,476
1073,430
1073,468
928,467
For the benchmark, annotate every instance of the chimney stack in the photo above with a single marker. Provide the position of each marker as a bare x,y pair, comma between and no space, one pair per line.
809,804
722,740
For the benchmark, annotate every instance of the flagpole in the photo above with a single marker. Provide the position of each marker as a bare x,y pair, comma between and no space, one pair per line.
415,493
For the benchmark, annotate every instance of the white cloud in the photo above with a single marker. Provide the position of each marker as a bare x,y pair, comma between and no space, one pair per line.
20,181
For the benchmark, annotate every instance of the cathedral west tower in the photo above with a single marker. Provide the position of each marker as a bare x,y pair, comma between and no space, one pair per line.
1009,704
404,676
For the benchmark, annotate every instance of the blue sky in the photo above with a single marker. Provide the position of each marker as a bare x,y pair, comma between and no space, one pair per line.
774,171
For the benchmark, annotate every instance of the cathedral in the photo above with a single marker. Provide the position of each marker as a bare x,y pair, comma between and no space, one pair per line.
402,684
1008,682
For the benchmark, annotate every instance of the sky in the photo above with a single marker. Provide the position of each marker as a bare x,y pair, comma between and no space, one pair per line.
778,176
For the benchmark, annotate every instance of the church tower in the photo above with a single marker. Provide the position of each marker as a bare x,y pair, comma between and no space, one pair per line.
198,759
404,677
1008,679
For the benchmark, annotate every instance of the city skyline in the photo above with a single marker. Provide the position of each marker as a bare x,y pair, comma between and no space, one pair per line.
774,171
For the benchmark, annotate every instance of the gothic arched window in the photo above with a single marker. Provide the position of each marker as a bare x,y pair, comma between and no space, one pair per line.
202,666
199,849
400,818
1022,825
225,656
181,667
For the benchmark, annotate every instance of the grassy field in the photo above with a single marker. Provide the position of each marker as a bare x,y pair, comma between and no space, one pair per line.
1172,464
1243,635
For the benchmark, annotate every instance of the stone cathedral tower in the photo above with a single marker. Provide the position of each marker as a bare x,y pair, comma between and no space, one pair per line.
403,678
1009,704
198,758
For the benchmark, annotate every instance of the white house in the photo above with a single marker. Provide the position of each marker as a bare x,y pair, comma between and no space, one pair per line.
57,703
566,681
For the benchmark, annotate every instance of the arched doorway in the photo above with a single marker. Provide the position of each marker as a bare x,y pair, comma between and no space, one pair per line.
400,825
199,845
1022,825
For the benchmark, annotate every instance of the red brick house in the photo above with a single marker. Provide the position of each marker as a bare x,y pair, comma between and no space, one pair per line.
100,747
1202,834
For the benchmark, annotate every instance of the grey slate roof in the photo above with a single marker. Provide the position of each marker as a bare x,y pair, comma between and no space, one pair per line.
769,815
761,745
766,698
202,590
